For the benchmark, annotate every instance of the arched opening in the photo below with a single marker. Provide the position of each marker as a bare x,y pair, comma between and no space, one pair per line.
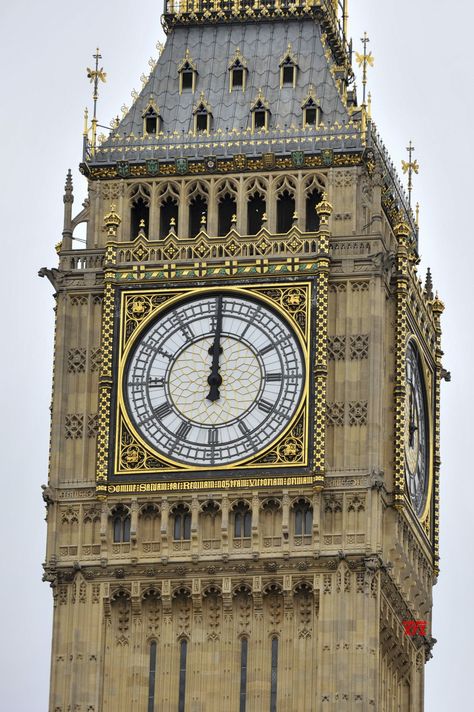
312,217
256,208
197,209
227,209
168,212
181,524
140,211
285,211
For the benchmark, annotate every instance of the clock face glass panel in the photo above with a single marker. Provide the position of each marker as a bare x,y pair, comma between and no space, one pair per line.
416,431
214,380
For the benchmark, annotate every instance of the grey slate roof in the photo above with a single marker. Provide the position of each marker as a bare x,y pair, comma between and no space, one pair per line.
212,47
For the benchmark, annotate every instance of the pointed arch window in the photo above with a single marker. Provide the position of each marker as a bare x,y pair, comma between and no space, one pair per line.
237,72
242,524
260,113
288,69
121,524
151,120
202,115
187,74
181,524
302,522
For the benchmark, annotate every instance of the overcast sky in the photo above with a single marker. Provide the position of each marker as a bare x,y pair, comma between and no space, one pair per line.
421,91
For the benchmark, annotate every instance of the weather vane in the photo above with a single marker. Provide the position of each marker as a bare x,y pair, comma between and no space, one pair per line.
96,75
364,60
410,167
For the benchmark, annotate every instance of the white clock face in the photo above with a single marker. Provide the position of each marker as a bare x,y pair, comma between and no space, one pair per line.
214,380
416,432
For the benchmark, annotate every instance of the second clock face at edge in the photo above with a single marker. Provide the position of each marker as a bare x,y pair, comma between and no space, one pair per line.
416,432
214,380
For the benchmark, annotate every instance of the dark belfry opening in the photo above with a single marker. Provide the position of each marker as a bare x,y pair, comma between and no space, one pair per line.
256,207
140,211
285,211
312,217
197,209
227,209
169,210
187,78
152,677
259,118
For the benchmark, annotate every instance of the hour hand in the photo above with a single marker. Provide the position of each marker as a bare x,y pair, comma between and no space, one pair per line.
215,379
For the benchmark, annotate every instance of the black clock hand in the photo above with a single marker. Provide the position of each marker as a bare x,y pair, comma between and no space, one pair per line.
215,379
412,427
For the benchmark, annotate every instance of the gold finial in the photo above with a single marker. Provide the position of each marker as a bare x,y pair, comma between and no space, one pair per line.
112,221
369,106
203,220
417,215
324,208
142,223
364,60
410,167
233,219
86,121
95,75
264,218
172,222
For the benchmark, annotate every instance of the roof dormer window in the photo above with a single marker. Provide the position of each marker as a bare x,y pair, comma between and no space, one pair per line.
187,74
202,116
311,110
288,69
151,120
237,72
260,113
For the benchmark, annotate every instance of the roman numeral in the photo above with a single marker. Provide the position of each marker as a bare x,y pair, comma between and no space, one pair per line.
268,348
269,377
163,410
156,382
183,430
213,436
265,406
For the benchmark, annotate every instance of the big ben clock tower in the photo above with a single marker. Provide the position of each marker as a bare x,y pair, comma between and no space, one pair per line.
244,471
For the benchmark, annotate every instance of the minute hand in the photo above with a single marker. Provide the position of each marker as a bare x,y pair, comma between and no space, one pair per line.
215,379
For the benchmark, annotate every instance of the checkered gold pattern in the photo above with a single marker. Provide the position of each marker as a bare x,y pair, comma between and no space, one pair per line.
324,210
402,233
105,378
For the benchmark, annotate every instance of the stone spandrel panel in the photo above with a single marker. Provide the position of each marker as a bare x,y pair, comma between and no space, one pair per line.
75,397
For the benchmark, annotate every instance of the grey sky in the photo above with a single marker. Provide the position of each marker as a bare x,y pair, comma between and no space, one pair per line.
421,91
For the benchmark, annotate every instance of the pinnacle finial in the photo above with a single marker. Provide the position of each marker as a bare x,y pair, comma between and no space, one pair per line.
68,188
429,284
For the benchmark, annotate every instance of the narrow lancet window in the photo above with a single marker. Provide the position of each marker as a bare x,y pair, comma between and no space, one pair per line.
274,676
183,652
244,647
152,677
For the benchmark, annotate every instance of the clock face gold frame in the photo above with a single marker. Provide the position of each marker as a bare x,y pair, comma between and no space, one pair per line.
133,456
427,378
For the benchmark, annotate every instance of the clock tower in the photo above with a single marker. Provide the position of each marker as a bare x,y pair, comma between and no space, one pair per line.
244,476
